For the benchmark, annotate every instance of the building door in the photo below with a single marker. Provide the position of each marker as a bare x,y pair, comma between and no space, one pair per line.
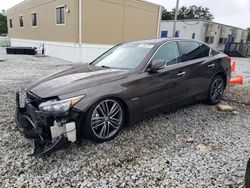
228,44
177,34
229,39
193,36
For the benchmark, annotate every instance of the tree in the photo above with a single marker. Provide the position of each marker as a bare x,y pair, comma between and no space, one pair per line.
248,36
192,12
167,15
3,22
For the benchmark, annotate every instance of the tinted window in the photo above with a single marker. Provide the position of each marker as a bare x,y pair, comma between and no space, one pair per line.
168,52
204,50
190,50
126,56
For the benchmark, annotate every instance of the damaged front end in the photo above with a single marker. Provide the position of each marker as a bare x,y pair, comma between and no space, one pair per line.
49,130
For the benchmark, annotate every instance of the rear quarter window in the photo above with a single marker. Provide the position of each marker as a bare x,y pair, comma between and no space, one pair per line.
214,52
205,50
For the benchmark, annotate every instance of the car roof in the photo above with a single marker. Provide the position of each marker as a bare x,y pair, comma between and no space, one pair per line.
162,40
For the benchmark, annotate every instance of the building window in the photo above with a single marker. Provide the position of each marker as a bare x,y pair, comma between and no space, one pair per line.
21,21
60,15
209,40
10,22
34,19
206,39
222,40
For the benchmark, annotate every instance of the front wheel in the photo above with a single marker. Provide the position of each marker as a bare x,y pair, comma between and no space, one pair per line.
104,120
216,90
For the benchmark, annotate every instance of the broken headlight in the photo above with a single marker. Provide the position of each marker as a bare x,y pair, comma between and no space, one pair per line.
60,105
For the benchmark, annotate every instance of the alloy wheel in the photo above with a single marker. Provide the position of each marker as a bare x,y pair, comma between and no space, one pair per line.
217,90
106,119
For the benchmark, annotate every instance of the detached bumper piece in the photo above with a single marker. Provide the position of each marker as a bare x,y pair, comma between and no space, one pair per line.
48,148
42,128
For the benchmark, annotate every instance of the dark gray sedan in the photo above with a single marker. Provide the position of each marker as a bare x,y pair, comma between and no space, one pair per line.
122,86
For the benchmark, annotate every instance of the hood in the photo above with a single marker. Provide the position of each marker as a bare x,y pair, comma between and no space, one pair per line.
75,79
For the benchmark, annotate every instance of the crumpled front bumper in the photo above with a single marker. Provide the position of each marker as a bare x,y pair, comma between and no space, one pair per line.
35,125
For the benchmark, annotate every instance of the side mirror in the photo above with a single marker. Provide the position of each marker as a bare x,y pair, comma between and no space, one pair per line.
157,64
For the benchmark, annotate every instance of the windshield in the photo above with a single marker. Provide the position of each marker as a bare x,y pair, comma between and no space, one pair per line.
126,56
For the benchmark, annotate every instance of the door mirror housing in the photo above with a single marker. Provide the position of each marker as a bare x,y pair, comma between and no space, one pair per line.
156,65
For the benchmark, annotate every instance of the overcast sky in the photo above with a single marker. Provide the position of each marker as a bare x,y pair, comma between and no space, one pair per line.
231,12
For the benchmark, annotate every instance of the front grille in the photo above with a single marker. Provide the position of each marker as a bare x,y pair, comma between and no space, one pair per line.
39,118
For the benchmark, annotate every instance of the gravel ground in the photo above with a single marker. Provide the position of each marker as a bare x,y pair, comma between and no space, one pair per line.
243,68
197,146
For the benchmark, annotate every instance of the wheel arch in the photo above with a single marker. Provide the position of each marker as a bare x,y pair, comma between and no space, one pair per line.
123,103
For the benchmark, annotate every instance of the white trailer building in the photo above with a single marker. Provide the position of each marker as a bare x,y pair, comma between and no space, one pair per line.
214,34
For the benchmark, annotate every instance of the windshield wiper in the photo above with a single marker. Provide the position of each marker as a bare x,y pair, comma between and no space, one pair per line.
103,66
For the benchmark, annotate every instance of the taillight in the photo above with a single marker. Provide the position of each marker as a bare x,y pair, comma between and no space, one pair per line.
229,59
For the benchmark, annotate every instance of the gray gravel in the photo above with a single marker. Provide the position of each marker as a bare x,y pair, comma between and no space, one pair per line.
243,68
197,146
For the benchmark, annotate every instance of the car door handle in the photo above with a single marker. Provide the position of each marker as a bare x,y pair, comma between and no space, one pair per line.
211,65
181,74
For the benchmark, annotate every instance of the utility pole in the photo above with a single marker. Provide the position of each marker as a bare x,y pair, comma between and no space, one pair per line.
175,17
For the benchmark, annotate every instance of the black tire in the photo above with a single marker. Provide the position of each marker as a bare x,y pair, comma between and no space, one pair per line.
216,90
93,119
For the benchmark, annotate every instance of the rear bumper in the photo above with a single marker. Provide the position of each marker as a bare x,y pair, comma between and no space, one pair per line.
41,129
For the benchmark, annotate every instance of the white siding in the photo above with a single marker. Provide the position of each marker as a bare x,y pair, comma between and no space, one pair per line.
203,29
186,29
69,51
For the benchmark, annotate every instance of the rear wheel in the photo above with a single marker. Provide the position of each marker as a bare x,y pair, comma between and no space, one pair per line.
104,120
216,90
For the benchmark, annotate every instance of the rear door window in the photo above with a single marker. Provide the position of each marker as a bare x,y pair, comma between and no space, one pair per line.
168,52
190,50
